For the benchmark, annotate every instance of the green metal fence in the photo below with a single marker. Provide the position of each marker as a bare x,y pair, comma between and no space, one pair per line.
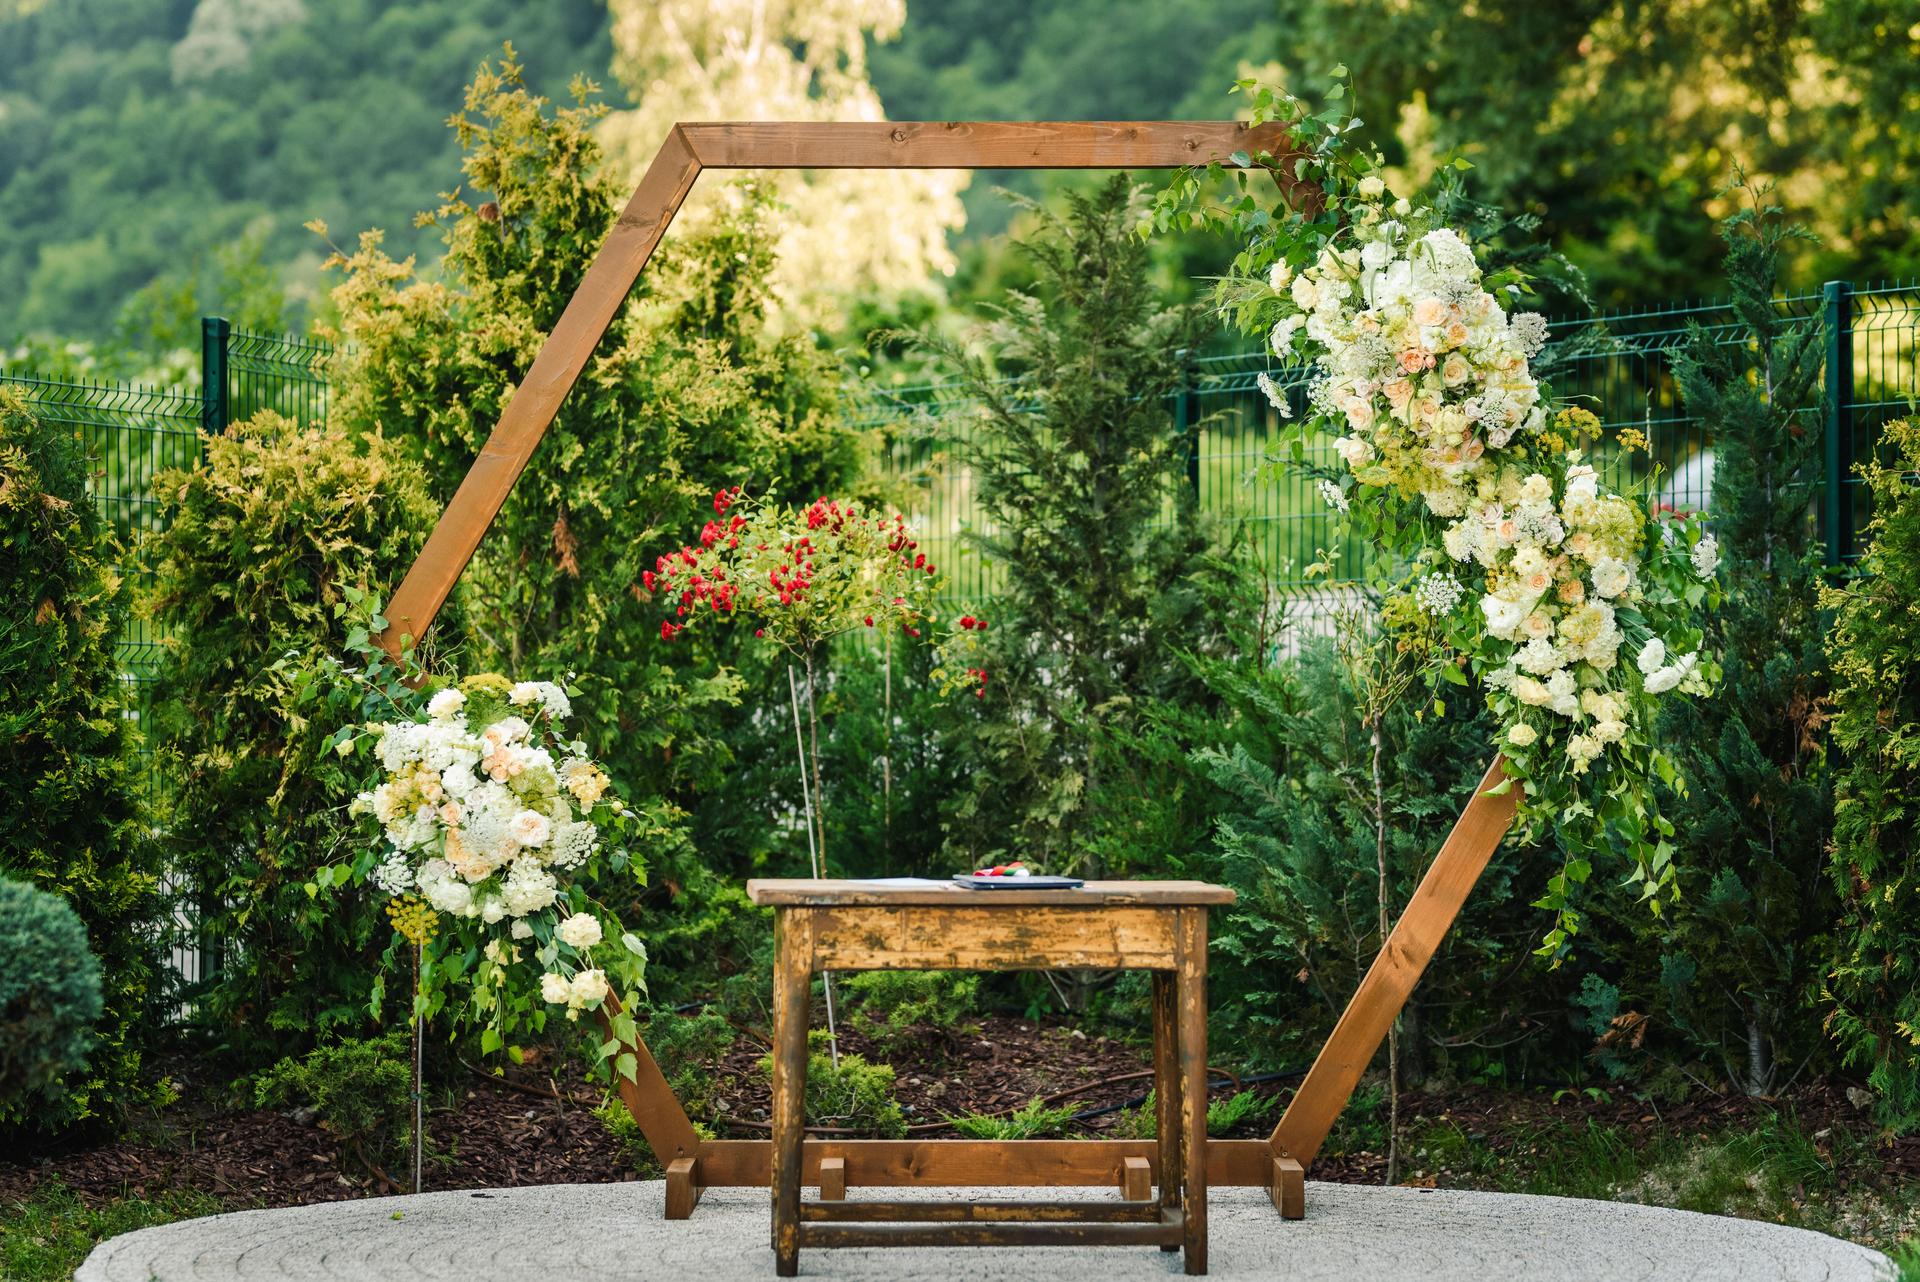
133,434
1619,364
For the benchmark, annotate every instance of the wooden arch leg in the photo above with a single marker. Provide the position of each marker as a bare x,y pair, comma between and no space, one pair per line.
653,1106
1384,991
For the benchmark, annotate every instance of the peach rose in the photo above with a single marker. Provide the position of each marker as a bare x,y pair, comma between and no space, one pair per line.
1429,311
1415,359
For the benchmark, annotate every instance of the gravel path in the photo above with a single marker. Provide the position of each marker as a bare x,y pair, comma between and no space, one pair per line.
581,1233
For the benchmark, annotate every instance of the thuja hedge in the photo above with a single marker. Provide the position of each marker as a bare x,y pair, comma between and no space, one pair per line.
72,824
267,542
1875,648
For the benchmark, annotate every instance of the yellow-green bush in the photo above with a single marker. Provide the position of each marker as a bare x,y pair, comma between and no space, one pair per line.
267,538
72,824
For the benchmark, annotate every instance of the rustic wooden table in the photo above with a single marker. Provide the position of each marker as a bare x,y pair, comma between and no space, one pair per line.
1159,926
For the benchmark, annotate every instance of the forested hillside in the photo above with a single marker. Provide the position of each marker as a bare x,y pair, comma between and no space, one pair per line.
158,155
141,138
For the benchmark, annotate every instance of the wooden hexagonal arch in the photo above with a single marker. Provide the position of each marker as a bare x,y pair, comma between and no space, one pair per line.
693,1163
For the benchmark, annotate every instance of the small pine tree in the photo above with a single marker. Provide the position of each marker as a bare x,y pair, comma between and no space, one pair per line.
1755,816
1080,472
1873,976
72,824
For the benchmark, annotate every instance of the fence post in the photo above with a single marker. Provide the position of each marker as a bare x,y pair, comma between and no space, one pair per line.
214,332
1837,316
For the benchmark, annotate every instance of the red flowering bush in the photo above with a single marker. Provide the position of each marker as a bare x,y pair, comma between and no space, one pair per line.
805,575
808,574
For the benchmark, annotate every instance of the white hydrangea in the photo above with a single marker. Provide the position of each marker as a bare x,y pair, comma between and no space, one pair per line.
582,930
394,875
1652,655
528,888
446,704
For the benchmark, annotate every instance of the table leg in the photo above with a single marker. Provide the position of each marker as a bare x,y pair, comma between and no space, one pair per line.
792,978
1166,1089
1190,1001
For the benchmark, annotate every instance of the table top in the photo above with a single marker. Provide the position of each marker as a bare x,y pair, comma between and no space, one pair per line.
802,892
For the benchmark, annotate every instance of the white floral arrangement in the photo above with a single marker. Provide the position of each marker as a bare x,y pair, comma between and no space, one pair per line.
1501,552
1429,380
493,823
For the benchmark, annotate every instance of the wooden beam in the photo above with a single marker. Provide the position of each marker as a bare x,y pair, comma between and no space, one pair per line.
683,1187
1396,969
832,1179
1136,1179
648,1098
975,144
982,1163
610,277
596,301
1289,1189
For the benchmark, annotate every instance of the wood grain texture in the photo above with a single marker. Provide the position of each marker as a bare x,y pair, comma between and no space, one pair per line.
683,1188
1390,980
832,1180
668,1130
1289,1189
1166,1103
1133,1211
1007,937
1190,1006
1136,1179
976,144
833,893
960,1163
792,980
992,1234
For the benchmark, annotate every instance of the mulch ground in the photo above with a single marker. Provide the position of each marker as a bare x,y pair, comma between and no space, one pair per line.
487,1132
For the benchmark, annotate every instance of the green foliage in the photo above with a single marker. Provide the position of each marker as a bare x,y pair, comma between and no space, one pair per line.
688,1047
269,540
45,1237
1874,646
687,394
142,139
1032,1121
855,1094
1267,788
896,1008
1223,1115
49,996
1078,465
73,825
360,1090
1739,956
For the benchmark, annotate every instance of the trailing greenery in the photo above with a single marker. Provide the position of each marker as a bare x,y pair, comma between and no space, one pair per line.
73,825
1078,465
1737,960
269,541
49,996
1874,645
359,1089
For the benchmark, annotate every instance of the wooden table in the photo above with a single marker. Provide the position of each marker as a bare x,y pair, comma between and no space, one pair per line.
1159,926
